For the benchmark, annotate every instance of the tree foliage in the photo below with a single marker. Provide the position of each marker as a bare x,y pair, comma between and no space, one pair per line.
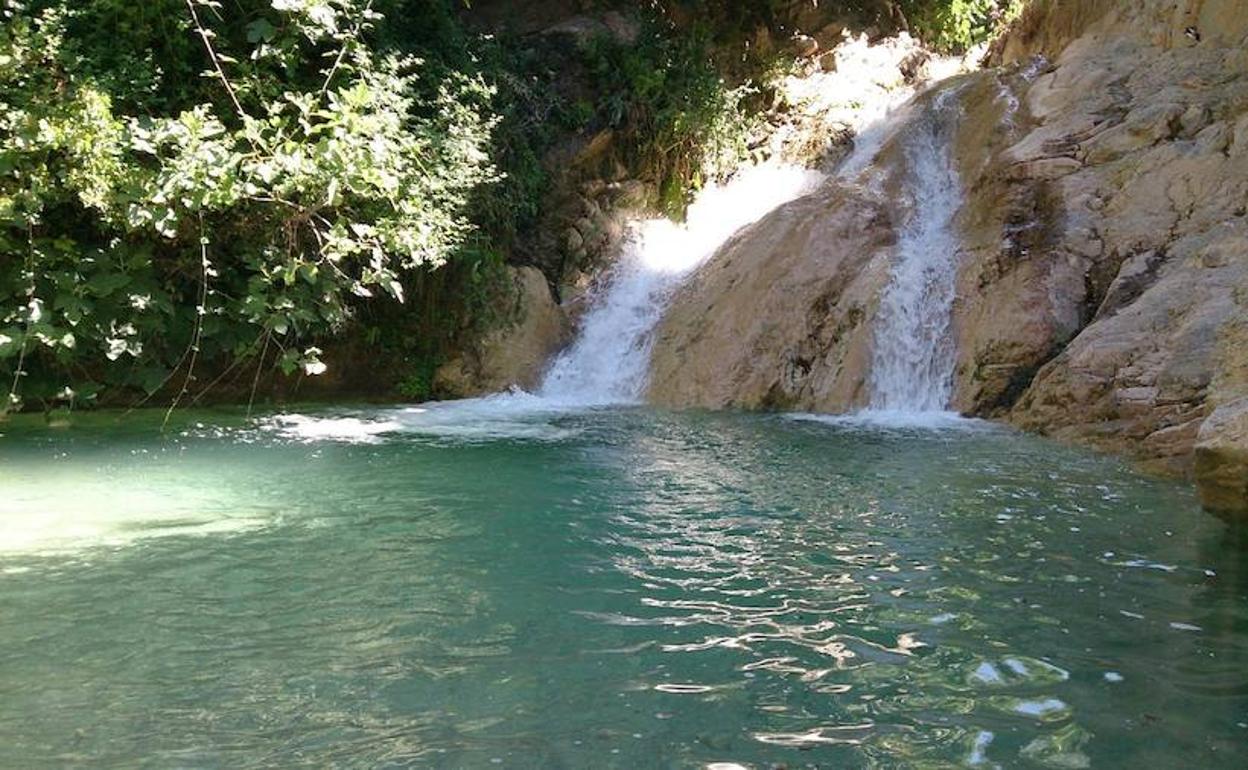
181,179
957,25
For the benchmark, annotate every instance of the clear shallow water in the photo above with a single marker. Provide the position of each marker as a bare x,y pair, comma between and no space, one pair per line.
492,583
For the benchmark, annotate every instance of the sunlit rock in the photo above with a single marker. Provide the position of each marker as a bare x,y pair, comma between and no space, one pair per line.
515,354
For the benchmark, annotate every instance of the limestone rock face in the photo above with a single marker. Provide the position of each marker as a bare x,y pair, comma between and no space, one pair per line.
515,354
777,319
1134,275
1146,221
1102,288
1048,26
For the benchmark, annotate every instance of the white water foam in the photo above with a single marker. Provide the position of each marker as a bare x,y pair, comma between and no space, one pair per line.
899,422
609,362
913,355
880,420
879,124
513,414
348,430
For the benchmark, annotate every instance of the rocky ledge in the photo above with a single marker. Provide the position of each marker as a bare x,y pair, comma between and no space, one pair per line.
1102,288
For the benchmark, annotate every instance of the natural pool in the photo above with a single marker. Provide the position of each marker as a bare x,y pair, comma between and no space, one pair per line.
492,584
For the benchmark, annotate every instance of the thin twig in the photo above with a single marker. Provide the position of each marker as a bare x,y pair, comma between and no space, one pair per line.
212,56
355,31
201,310
255,383
216,380
176,368
17,374
21,352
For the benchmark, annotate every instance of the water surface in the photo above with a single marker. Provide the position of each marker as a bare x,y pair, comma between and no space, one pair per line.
494,584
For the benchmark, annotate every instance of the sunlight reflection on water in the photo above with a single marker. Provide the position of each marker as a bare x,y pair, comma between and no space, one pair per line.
621,588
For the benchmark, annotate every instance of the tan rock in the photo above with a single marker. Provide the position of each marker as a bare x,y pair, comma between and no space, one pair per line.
1222,460
1044,168
805,45
515,354
1106,262
778,319
1047,27
1144,127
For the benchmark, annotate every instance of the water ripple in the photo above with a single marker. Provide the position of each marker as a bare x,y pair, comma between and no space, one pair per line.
640,590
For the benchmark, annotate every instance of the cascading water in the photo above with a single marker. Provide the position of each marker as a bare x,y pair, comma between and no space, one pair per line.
913,356
609,361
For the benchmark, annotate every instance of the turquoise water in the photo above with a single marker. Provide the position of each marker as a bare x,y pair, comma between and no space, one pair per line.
488,584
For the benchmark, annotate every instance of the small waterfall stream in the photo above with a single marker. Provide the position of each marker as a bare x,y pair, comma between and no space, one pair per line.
913,355
610,360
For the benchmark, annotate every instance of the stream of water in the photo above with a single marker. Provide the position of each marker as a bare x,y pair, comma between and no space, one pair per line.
912,357
610,360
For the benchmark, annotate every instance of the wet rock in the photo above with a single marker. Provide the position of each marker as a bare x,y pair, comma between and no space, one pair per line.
805,46
1135,275
1222,460
913,66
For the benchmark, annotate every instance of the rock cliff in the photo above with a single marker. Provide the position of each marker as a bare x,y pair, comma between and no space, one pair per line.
515,352
1102,285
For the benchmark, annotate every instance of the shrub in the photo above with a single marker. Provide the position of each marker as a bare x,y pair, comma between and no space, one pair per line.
150,219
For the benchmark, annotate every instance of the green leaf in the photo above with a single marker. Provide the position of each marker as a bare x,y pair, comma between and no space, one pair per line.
104,284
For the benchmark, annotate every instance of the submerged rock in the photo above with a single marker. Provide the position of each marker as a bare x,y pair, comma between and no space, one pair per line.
1222,460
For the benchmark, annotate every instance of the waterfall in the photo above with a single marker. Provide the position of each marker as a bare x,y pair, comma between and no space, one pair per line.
913,355
609,361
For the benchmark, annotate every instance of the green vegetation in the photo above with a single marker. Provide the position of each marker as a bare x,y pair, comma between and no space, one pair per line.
186,184
957,25
680,123
181,182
